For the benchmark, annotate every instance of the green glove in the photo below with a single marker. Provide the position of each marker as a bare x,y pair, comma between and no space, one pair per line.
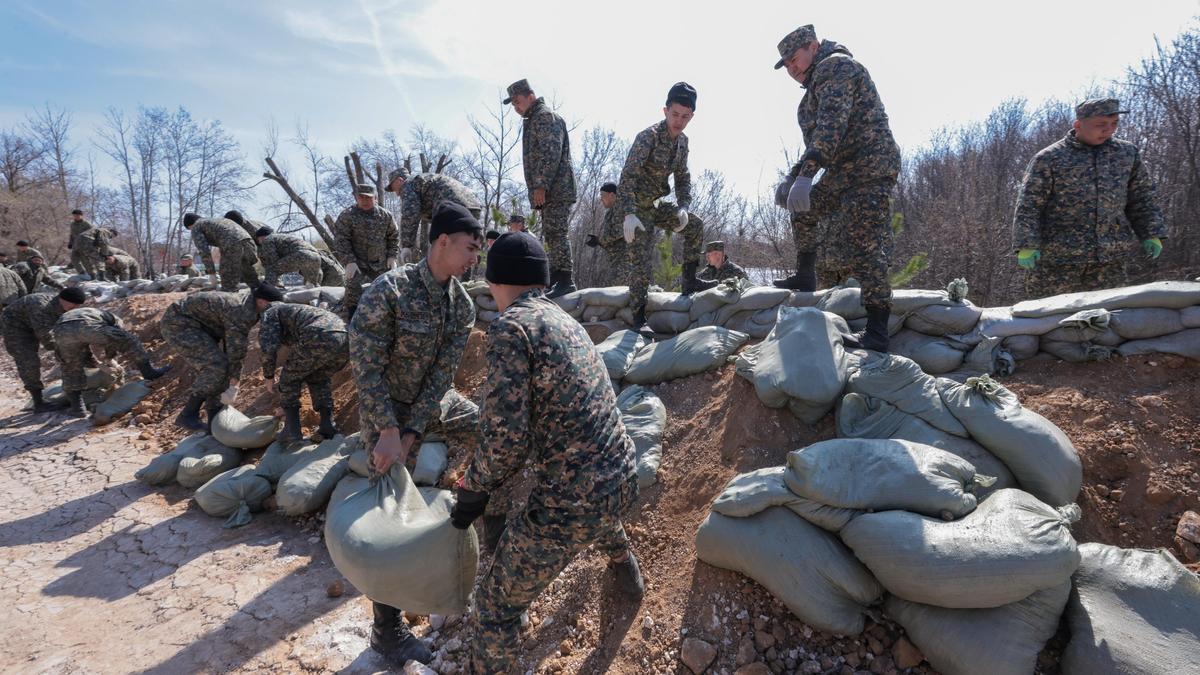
1152,247
1028,257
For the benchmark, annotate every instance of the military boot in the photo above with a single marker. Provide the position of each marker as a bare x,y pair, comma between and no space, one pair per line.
75,407
41,405
628,577
391,637
291,426
561,283
875,337
189,417
149,372
212,409
690,283
327,428
805,278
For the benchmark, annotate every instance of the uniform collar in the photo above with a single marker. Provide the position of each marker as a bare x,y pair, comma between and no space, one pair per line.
537,106
437,292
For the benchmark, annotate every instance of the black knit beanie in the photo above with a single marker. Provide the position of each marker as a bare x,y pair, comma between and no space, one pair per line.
518,259
450,217
73,295
268,293
263,231
190,219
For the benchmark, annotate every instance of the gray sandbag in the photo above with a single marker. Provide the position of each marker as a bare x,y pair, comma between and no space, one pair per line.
395,544
120,401
845,301
359,463
234,495
1038,453
711,300
306,486
756,491
1081,326
1000,322
805,298
935,355
235,430
486,302
658,301
212,460
1167,294
280,457
488,317
908,300
569,302
1002,640
895,324
1109,338
432,459
597,313
805,567
949,318
880,474
331,295
477,287
1132,611
624,316
1021,346
645,419
1074,352
162,469
1190,317
612,296
753,299
302,296
1184,343
901,382
689,353
1009,547
985,358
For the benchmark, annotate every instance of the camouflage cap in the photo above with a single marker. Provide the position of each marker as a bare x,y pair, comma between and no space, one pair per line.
364,189
1098,107
185,257
520,87
714,246
516,218
396,173
793,41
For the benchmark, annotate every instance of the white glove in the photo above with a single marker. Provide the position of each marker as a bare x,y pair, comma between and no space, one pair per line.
631,225
351,270
797,199
391,263
683,219
782,190
230,395
212,279
406,255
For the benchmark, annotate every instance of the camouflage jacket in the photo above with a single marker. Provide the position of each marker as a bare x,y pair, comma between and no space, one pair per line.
78,227
93,316
31,252
728,270
34,277
276,247
224,316
220,232
367,238
1080,203
550,404
613,230
294,325
93,243
406,340
652,158
12,286
190,271
123,264
546,150
251,226
36,314
422,192
844,124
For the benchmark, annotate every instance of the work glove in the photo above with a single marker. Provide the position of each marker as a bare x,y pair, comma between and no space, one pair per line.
1028,257
798,195
406,255
230,395
592,241
1152,247
682,215
351,270
212,279
631,225
782,190
391,263
469,506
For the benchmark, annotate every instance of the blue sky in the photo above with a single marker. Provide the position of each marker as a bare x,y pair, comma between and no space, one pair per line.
357,67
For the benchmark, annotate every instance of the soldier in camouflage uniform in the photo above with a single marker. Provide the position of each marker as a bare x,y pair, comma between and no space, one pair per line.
719,267
846,133
1083,200
657,153
366,243
26,323
549,178
283,253
121,266
12,287
611,239
406,341
80,330
80,262
419,195
516,223
92,246
550,404
3,259
238,252
332,273
25,252
318,347
210,331
250,226
34,273
186,267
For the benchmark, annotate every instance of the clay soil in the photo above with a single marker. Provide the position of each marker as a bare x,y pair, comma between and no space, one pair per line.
103,574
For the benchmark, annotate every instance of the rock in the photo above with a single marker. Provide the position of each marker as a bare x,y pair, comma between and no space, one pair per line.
335,589
144,436
746,652
763,640
697,654
1116,495
564,647
852,660
874,645
759,668
882,665
1101,489
416,668
452,645
1188,528
827,663
906,654
436,621
810,667
1157,493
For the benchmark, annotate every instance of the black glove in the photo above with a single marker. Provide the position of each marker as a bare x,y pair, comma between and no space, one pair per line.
592,241
469,506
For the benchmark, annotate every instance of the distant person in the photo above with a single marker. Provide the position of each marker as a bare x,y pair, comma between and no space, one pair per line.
25,251
186,267
366,243
1082,202
34,273
92,246
81,263
419,196
80,330
238,252
516,223
719,267
120,266
611,239
26,324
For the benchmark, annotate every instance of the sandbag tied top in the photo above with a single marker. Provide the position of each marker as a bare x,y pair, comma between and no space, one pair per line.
901,382
618,350
645,418
1010,546
1132,611
690,353
882,474
756,491
1081,326
234,494
236,430
1166,294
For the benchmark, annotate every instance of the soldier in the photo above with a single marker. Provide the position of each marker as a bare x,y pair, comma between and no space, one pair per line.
250,226
34,273
719,267
366,243
846,132
1082,201
238,253
516,223
77,332
79,262
406,341
420,194
210,331
26,323
186,267
12,287
332,273
92,247
318,347
549,178
121,266
611,239
283,253
25,251
658,152
556,408
3,259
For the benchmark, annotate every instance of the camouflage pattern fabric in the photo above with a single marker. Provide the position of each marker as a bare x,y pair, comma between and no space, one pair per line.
122,268
251,226
858,242
332,273
641,254
12,287
190,271
210,331
806,232
1045,280
546,150
368,239
31,252
727,270
91,247
283,253
82,329
238,253
422,192
26,324
652,159
34,276
556,218
79,261
1082,204
319,348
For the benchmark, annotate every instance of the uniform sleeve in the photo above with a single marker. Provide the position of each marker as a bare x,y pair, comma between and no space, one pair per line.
237,335
548,136
392,237
201,244
631,174
611,232
1031,200
267,253
372,332
506,414
1141,209
343,242
410,214
836,85
49,281
438,381
270,337
683,178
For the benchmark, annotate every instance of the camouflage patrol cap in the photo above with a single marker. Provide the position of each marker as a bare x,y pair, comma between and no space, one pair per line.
1098,107
714,246
793,41
516,218
364,189
518,88
396,173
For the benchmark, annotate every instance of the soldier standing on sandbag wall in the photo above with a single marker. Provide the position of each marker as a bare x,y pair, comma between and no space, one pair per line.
366,243
81,263
92,246
719,267
846,133
406,341
121,266
551,404
238,252
318,347
283,253
26,323
1082,201
33,273
611,239
186,267
77,332
419,195
210,331
549,178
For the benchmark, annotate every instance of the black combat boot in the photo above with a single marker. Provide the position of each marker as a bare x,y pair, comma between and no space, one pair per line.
561,283
391,637
805,278
189,417
493,527
41,405
690,283
327,428
629,577
291,426
149,372
876,337
75,407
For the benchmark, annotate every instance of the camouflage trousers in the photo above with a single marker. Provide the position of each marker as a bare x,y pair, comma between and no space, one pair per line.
332,273
857,242
75,340
555,219
307,263
22,345
115,273
458,421
618,260
535,548
237,265
84,263
354,286
641,254
313,362
203,352
1047,279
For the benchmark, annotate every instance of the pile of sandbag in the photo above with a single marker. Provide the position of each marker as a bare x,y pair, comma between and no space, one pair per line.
193,462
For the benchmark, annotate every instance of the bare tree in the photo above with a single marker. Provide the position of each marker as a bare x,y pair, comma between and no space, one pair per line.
52,127
493,159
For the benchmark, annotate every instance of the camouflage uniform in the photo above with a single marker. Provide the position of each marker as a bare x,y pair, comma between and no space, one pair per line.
196,327
190,271
81,329
422,192
92,246
282,253
238,253
12,287
79,261
1081,206
612,240
31,252
546,150
34,276
332,273
26,323
727,270
123,267
318,348
368,239
555,409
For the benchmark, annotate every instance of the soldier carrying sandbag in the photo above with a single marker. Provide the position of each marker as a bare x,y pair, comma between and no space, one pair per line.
26,324
33,273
